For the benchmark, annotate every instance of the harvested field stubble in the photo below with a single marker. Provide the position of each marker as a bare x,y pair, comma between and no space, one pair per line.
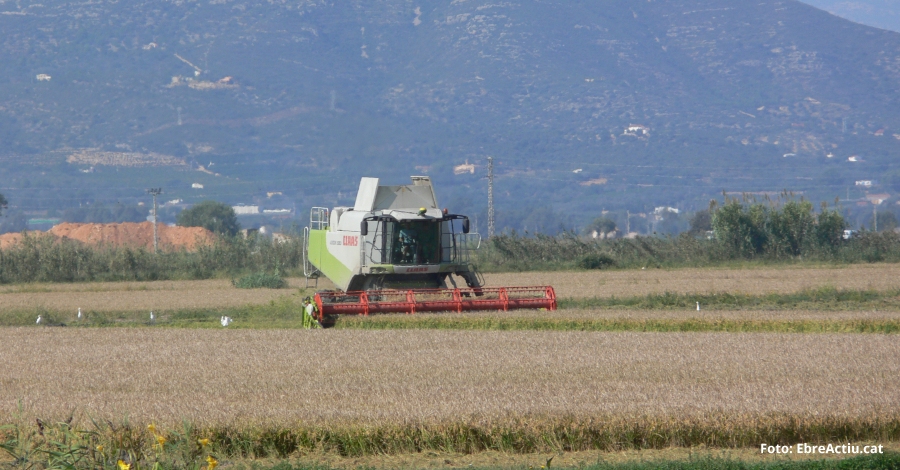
639,320
402,391
629,283
136,296
174,295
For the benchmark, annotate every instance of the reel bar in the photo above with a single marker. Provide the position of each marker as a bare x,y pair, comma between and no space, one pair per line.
435,300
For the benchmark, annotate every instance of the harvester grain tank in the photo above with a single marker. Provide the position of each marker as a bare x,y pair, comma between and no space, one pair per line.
395,250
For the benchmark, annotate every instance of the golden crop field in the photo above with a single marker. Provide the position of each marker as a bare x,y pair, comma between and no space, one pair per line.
175,295
282,378
755,280
138,296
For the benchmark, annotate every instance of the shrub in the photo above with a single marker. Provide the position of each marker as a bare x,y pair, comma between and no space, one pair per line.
260,280
597,261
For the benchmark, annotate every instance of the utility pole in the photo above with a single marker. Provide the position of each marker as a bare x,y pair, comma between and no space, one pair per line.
155,192
875,215
490,197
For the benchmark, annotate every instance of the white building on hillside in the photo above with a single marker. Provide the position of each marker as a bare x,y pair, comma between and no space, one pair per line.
245,210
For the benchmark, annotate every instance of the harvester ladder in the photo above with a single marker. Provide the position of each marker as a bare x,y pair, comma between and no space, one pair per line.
318,220
309,271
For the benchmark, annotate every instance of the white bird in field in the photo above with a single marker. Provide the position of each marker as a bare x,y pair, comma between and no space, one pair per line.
152,316
38,320
225,321
79,313
698,306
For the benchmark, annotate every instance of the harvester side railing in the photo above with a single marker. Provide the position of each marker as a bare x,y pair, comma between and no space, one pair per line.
318,218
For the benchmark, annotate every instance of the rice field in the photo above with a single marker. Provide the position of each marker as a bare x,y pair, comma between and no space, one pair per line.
139,296
753,281
281,378
392,386
211,294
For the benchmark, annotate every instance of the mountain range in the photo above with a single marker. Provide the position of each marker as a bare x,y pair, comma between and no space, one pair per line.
584,106
884,14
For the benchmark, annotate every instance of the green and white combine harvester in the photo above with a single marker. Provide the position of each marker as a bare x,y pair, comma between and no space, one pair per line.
396,251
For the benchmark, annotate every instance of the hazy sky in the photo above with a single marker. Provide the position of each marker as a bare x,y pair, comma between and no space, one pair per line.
883,14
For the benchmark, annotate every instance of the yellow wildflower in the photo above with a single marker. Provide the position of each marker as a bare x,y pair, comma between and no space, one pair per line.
161,440
152,428
123,465
203,442
99,448
212,462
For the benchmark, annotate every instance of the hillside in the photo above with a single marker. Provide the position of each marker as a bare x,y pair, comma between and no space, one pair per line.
884,14
625,106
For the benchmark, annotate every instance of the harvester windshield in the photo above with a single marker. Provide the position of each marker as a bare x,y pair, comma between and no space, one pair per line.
416,242
413,242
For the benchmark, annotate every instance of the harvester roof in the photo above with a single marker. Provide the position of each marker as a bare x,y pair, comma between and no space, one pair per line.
401,202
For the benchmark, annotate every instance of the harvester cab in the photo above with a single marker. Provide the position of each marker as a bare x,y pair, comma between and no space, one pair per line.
395,250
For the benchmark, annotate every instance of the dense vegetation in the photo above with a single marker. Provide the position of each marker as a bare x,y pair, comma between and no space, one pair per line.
109,446
43,259
214,216
742,231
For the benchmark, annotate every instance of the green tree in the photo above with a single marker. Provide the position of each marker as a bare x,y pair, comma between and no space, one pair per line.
3,204
741,229
701,222
792,227
214,216
602,225
887,221
830,227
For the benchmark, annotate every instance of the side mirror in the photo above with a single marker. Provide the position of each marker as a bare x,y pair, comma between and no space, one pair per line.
364,228
466,225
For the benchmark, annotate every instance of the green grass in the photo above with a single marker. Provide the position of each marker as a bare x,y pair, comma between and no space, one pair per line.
523,436
825,298
286,313
887,461
260,280
451,322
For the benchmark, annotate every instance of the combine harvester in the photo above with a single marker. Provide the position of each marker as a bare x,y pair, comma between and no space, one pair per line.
395,251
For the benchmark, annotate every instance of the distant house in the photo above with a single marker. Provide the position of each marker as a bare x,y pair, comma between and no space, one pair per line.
269,194
464,168
879,132
43,77
637,130
197,186
663,209
877,198
865,183
245,210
